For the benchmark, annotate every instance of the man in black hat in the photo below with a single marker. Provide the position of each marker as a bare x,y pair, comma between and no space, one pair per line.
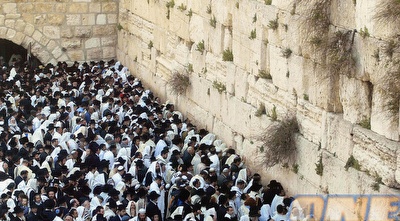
19,214
152,208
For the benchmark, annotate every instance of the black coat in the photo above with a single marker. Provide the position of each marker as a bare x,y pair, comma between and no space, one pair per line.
152,209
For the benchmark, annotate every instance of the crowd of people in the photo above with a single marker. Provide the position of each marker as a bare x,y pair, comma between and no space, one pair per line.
88,142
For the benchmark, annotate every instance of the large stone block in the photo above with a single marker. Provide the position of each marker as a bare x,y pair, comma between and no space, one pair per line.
10,23
278,67
376,154
73,19
337,137
104,30
52,32
92,43
76,55
83,31
71,43
78,8
109,7
355,96
9,8
88,19
94,53
95,7
20,25
101,19
343,13
25,7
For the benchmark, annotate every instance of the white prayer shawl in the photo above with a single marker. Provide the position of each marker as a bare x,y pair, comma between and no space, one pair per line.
159,147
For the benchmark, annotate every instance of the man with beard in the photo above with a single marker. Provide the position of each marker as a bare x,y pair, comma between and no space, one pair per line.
141,216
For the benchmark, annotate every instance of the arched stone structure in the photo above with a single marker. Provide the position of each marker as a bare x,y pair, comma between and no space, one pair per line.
68,30
45,49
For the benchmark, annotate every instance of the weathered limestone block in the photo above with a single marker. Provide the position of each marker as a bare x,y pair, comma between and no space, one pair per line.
355,97
57,52
43,7
18,38
55,19
337,136
83,31
13,16
366,65
76,55
242,113
278,67
25,7
196,29
108,52
2,19
73,19
92,43
52,45
71,43
201,91
95,7
9,8
310,121
101,19
376,154
112,18
343,14
241,83
108,41
223,131
52,32
88,19
67,33
179,24
296,74
383,121
78,8
104,30
61,7
10,23
109,7
222,10
20,25
29,29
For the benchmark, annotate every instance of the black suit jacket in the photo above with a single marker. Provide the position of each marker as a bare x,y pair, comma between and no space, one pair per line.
152,209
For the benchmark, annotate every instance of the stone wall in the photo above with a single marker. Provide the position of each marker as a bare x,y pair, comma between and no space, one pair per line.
62,30
332,81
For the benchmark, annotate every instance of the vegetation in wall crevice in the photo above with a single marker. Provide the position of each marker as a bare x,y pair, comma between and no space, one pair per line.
278,141
179,82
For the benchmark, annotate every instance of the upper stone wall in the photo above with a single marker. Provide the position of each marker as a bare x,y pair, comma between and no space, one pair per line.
62,30
330,63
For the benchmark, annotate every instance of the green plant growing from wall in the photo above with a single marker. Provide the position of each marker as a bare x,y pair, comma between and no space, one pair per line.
261,110
190,13
365,123
319,167
390,47
287,74
273,24
253,34
377,182
390,86
352,162
273,115
150,45
178,83
227,55
119,27
254,18
316,41
209,10
200,47
213,22
189,68
237,5
285,26
220,87
295,168
376,55
279,141
170,4
264,74
305,97
364,32
339,54
182,7
286,52
268,2
388,11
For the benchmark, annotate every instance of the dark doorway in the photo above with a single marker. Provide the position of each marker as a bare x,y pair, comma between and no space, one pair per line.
11,53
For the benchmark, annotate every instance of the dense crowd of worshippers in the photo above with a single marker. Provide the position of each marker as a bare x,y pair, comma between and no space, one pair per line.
88,142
